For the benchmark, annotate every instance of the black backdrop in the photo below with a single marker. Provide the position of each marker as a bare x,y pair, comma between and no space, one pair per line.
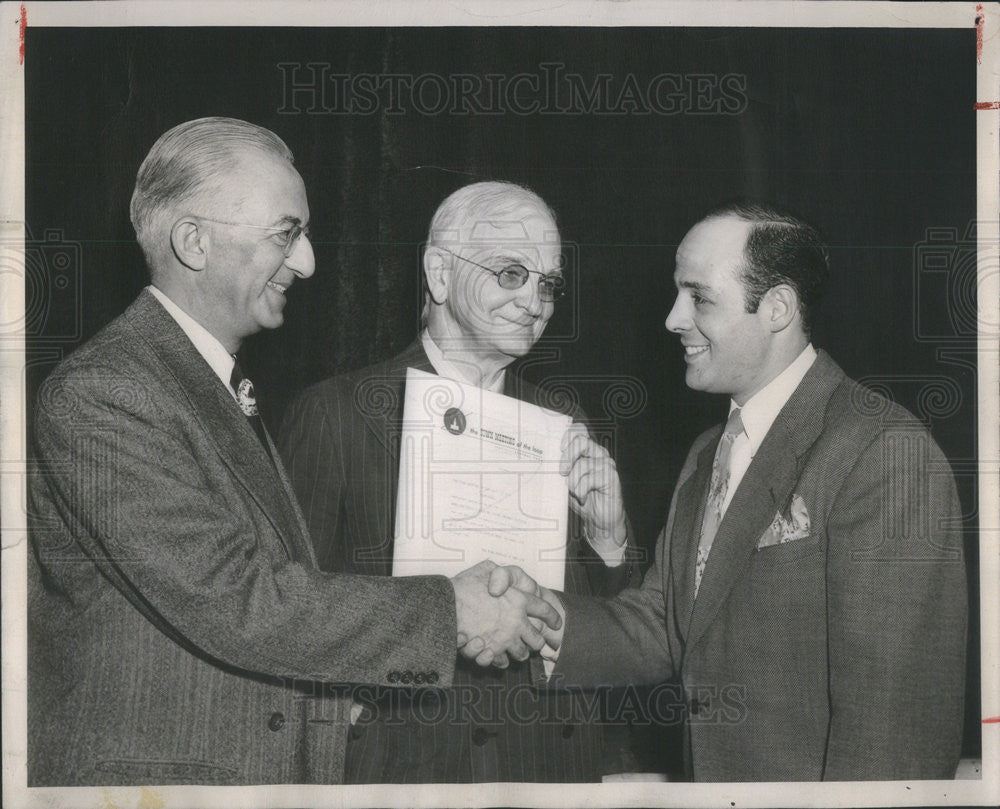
869,133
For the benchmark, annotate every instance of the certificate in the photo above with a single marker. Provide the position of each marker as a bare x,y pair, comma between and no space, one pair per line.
478,479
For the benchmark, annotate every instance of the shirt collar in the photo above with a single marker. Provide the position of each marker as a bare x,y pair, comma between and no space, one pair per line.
450,370
761,409
214,353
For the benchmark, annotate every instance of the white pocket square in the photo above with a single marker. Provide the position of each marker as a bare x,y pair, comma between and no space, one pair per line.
787,527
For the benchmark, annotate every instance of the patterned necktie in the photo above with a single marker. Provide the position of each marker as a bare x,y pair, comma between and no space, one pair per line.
245,398
716,494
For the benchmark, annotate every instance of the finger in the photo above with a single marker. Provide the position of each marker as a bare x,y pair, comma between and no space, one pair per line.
533,639
472,652
485,658
522,581
539,608
552,639
462,639
500,580
518,650
573,444
500,661
474,647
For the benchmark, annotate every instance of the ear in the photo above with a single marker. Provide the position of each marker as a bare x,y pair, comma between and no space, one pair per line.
436,272
189,242
779,306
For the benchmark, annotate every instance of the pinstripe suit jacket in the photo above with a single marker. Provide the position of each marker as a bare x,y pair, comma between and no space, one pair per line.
837,656
177,620
340,442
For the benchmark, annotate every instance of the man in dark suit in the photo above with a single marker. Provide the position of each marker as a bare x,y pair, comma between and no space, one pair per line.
177,623
492,269
809,587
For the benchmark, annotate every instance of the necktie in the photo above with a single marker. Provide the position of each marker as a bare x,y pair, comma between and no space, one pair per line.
716,494
243,388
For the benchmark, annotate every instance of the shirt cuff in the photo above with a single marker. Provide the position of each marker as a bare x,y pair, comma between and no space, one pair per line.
612,558
549,657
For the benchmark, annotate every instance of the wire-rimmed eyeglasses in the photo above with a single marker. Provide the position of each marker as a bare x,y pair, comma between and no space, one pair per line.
551,286
286,237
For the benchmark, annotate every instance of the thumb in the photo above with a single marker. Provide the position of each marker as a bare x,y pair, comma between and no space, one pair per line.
501,579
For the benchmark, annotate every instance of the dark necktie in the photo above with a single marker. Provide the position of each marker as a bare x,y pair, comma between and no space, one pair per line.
245,398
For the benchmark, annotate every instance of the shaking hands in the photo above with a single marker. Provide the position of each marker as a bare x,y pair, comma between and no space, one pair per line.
502,613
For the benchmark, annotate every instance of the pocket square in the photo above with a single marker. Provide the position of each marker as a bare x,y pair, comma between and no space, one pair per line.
787,527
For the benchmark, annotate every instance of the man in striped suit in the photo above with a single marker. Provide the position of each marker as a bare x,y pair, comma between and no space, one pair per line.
493,272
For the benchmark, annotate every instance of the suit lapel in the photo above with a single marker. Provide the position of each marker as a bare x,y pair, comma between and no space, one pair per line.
766,488
223,423
386,423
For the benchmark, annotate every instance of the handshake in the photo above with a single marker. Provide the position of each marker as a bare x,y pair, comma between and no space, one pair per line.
503,613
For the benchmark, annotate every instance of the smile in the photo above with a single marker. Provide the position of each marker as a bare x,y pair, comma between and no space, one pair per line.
279,288
692,351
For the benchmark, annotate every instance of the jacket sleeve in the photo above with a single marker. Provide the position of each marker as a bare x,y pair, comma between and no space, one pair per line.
623,640
897,614
140,493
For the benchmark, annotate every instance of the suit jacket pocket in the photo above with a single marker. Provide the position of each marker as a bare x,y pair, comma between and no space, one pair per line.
783,552
153,771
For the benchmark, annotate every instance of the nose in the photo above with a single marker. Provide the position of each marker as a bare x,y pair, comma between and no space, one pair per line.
529,298
678,319
301,260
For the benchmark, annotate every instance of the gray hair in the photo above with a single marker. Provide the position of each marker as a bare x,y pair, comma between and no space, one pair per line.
480,202
189,162
455,219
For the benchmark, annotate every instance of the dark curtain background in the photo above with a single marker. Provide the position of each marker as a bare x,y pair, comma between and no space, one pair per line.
869,133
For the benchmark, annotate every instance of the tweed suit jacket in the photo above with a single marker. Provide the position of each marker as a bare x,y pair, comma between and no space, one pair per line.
177,620
340,441
839,655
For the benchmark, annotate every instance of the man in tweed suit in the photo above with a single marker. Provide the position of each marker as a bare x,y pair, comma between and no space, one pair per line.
178,626
809,587
492,271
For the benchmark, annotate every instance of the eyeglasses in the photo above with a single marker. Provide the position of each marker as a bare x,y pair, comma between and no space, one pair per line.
286,238
551,287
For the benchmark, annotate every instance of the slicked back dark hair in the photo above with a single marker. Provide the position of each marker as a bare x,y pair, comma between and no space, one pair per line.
781,248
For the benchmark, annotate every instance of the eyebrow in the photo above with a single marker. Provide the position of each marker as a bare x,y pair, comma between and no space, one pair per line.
502,255
695,285
287,219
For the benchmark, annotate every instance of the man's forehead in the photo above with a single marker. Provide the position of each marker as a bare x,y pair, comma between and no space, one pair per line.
713,243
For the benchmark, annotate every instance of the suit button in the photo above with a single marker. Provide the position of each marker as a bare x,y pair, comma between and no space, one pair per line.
568,731
419,677
480,736
407,677
432,677
393,677
276,721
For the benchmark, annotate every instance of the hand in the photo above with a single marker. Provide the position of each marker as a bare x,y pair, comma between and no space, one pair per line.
491,627
502,578
595,493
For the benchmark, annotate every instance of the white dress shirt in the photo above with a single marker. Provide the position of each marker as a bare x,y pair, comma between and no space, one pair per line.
759,413
451,370
215,354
